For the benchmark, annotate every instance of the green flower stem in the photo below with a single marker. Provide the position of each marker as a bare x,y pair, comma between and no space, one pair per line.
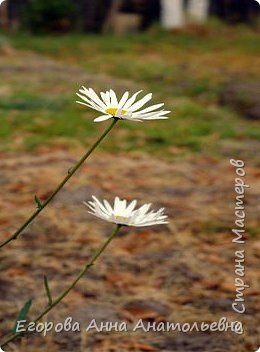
71,172
64,293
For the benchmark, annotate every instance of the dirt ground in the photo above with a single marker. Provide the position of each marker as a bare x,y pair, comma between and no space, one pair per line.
182,272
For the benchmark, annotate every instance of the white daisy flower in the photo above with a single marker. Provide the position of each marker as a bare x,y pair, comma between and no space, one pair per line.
126,108
126,214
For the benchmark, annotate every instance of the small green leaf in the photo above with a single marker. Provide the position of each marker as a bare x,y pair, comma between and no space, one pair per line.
22,314
47,289
38,202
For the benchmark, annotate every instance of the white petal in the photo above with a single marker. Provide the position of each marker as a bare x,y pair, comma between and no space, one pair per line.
108,97
81,102
91,103
102,118
104,97
155,118
131,206
153,113
131,100
113,97
101,206
96,98
131,118
101,216
123,205
108,206
89,205
144,209
151,223
151,108
141,102
86,99
117,205
164,112
123,100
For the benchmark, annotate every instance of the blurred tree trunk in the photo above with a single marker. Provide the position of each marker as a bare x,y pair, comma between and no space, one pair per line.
198,10
111,16
4,21
172,14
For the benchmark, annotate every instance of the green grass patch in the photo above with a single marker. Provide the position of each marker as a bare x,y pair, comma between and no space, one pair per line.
186,70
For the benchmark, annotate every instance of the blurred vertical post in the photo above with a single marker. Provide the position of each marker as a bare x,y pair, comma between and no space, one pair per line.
198,10
111,16
4,15
172,14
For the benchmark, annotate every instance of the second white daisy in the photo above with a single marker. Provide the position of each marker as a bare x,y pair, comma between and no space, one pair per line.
126,108
126,214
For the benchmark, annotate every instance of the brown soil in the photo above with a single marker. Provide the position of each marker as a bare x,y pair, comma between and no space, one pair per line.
182,272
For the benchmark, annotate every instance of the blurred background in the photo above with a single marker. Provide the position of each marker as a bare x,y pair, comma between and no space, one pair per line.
199,57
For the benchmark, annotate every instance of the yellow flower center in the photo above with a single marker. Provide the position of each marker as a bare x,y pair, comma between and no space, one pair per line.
113,111
121,218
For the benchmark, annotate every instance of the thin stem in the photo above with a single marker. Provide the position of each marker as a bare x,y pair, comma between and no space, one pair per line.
71,172
64,293
47,289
